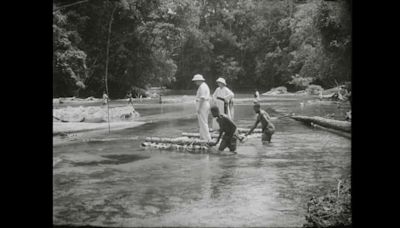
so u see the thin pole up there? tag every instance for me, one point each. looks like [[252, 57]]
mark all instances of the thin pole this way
[[68, 5], [108, 51]]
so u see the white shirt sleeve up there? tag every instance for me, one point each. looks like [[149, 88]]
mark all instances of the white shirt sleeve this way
[[203, 91], [228, 93]]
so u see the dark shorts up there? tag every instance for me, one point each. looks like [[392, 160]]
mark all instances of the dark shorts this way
[[229, 142], [267, 134]]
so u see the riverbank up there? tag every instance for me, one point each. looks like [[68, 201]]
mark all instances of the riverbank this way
[[331, 209]]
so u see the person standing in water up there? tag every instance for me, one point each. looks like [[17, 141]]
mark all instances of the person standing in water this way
[[202, 106], [223, 99], [226, 128], [130, 99], [268, 128], [105, 98], [256, 95]]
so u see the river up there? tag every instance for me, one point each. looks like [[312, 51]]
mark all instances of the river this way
[[118, 183]]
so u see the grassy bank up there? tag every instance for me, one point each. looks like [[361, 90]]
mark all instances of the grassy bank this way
[[332, 209]]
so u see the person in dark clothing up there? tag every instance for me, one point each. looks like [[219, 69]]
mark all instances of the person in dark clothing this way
[[130, 99], [268, 128], [226, 128]]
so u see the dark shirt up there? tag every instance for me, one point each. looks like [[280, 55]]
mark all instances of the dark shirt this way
[[226, 125]]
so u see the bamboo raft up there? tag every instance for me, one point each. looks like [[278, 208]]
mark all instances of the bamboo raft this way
[[184, 148], [197, 135], [190, 142], [179, 144]]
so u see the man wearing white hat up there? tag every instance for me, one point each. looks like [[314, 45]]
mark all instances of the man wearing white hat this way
[[202, 106], [223, 99]]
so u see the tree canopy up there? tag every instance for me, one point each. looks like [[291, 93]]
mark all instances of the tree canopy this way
[[251, 43]]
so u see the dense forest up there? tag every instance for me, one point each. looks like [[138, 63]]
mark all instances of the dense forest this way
[[251, 43]]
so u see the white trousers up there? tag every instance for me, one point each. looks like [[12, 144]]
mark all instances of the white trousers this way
[[202, 116]]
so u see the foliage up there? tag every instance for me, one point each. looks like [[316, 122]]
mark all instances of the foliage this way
[[314, 89], [69, 62], [250, 43], [301, 82]]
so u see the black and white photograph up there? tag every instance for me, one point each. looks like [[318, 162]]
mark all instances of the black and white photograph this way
[[202, 113]]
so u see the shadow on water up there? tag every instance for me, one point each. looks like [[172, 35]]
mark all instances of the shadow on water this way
[[118, 183], [114, 160]]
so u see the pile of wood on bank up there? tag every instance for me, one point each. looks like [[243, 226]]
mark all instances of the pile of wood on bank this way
[[332, 209]]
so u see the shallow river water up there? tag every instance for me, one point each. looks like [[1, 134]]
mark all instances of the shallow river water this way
[[118, 183]]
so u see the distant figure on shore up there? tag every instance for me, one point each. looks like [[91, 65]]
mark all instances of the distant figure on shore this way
[[160, 99], [130, 99], [202, 106], [257, 95], [105, 98], [268, 128], [223, 99], [226, 128]]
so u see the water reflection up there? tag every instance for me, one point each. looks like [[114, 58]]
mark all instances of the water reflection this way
[[223, 180]]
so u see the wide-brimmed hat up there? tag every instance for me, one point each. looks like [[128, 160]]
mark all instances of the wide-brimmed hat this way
[[221, 80], [198, 77]]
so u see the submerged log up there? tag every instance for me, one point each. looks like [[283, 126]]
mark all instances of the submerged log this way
[[197, 135], [242, 130], [337, 132], [327, 123]]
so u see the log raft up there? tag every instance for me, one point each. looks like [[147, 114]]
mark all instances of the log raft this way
[[214, 136], [178, 144], [178, 141], [337, 132], [197, 135], [344, 126]]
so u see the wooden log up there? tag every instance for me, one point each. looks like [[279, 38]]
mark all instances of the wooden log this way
[[176, 141], [341, 133], [197, 135], [327, 123], [171, 146], [242, 130]]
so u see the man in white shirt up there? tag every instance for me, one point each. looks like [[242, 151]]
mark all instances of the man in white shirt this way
[[105, 98], [202, 106]]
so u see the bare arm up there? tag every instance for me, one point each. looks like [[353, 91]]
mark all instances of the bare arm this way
[[219, 137], [216, 142], [254, 127]]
